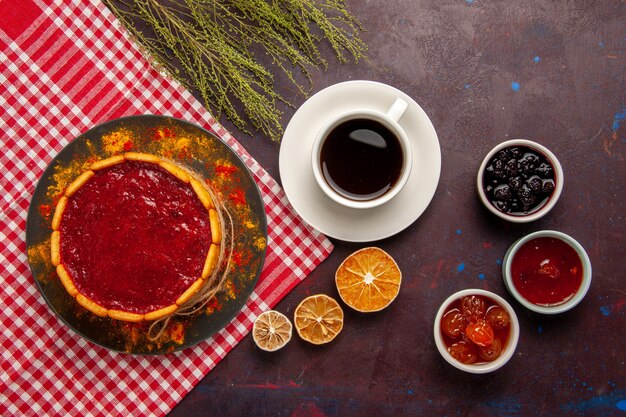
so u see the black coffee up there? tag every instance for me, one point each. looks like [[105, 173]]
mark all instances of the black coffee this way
[[361, 159]]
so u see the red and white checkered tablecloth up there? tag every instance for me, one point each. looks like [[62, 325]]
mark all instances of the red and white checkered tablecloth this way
[[65, 67]]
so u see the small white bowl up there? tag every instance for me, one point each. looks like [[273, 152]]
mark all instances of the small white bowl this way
[[558, 181], [555, 309], [485, 367]]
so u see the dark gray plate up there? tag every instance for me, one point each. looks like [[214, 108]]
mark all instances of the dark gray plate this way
[[189, 145]]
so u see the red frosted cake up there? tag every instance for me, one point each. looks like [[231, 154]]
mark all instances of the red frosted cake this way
[[135, 237]]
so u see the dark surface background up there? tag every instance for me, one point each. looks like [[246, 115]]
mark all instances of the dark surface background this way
[[484, 71]]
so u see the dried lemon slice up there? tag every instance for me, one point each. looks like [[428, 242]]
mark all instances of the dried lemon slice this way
[[368, 280], [318, 319], [271, 330]]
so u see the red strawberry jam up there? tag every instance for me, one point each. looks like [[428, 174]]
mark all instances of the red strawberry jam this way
[[134, 237], [546, 271]]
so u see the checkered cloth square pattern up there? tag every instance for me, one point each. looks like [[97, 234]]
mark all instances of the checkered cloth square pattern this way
[[65, 67]]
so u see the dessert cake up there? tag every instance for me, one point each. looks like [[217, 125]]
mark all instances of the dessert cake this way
[[135, 237]]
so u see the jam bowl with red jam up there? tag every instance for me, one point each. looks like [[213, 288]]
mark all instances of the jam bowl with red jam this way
[[476, 331], [520, 180], [547, 271]]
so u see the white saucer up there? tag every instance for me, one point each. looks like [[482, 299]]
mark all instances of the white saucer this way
[[322, 213]]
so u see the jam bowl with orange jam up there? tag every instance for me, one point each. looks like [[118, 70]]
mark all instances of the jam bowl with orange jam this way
[[547, 271], [476, 331]]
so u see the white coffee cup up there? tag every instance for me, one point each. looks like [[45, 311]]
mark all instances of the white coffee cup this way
[[389, 120]]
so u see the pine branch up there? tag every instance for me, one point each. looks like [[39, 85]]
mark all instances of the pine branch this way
[[213, 42]]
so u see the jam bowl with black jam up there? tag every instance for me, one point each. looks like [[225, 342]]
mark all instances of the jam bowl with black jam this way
[[520, 180]]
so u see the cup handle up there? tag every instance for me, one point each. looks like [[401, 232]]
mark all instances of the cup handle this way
[[397, 109]]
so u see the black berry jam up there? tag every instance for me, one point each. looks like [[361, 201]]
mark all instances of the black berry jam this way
[[518, 180]]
